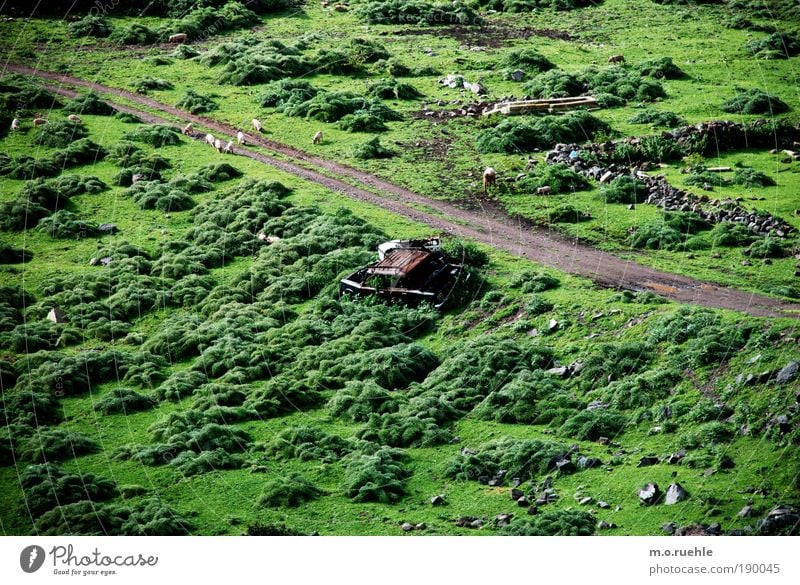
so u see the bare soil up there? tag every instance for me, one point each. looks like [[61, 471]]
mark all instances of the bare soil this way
[[488, 224]]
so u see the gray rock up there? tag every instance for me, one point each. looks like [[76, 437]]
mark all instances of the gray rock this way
[[421, 526], [107, 228], [603, 505], [561, 372], [669, 528], [516, 494], [523, 502], [787, 373], [517, 75], [649, 494], [407, 527], [647, 461], [603, 525], [747, 512], [675, 494], [503, 520], [438, 500]]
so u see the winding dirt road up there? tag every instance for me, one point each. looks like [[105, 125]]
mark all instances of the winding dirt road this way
[[492, 227]]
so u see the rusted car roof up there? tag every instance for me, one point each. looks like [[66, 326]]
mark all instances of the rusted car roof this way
[[400, 263]]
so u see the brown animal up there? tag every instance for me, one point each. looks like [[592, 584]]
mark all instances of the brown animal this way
[[187, 129], [39, 122], [317, 137], [178, 38], [616, 59], [74, 118], [489, 179], [256, 125]]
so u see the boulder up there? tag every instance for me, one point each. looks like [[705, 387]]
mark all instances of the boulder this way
[[517, 75], [779, 520], [516, 494], [747, 512], [503, 520], [787, 373], [438, 500], [669, 527], [647, 460], [407, 526], [675, 494], [650, 494]]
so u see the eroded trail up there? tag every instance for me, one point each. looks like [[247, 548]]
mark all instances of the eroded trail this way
[[489, 226]]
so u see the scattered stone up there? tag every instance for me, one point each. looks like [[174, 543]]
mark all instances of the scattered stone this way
[[565, 466], [675, 494], [676, 457], [596, 405], [523, 502], [533, 510], [588, 462], [586, 500], [517, 75], [603, 525], [516, 494], [779, 518], [407, 527], [709, 472], [438, 500], [603, 505], [649, 494], [421, 526], [647, 461], [787, 373], [503, 520], [552, 325], [602, 440], [561, 372], [669, 528], [747, 512]]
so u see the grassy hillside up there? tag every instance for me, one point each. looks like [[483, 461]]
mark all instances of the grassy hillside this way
[[205, 382]]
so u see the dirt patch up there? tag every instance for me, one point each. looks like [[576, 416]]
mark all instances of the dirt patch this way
[[493, 228], [492, 35]]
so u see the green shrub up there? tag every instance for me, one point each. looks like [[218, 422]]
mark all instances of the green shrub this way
[[554, 523], [56, 445], [564, 213], [160, 196], [393, 89], [529, 60], [700, 178], [555, 83], [134, 34], [662, 68], [529, 281], [778, 45], [658, 118], [376, 477], [147, 83], [641, 390], [191, 463], [196, 103], [559, 177], [766, 247], [362, 121], [124, 400], [358, 400], [65, 224], [218, 172], [711, 433], [307, 443], [185, 52], [60, 133], [180, 384], [11, 255], [625, 189], [523, 458], [155, 135], [614, 361], [511, 136], [89, 26], [752, 178], [524, 400], [46, 486], [89, 103], [372, 149], [590, 425], [286, 92], [728, 233], [754, 101], [411, 12], [288, 491]]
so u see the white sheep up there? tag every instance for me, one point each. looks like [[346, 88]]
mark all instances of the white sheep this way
[[210, 139], [256, 125], [240, 137], [317, 137], [228, 147], [178, 38], [74, 118], [489, 178], [15, 124], [218, 144]]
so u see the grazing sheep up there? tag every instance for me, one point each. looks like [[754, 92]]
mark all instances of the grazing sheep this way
[[228, 147], [39, 122], [616, 59], [187, 129], [74, 118], [317, 137], [240, 137], [15, 124], [489, 178], [218, 144], [543, 190], [210, 139], [268, 239], [256, 125], [178, 38]]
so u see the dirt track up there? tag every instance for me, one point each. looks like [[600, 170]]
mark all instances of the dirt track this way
[[491, 227]]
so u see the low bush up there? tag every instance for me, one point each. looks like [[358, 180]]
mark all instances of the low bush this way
[[89, 26], [65, 224], [286, 92], [147, 83], [729, 233], [11, 255], [529, 281], [614, 361], [218, 172], [376, 477], [46, 487], [642, 390], [625, 189], [528, 60], [155, 135], [661, 68], [123, 400], [778, 45], [754, 101], [411, 12], [559, 177], [528, 399], [357, 401], [196, 103], [179, 385], [372, 149], [766, 247], [554, 523], [89, 103], [555, 83], [526, 459], [134, 34], [288, 491], [511, 136], [710, 433], [60, 134], [590, 425], [191, 463], [160, 196], [751, 178], [55, 444], [393, 89], [658, 119]]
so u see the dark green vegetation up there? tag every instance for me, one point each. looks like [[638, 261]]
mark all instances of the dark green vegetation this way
[[228, 387]]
